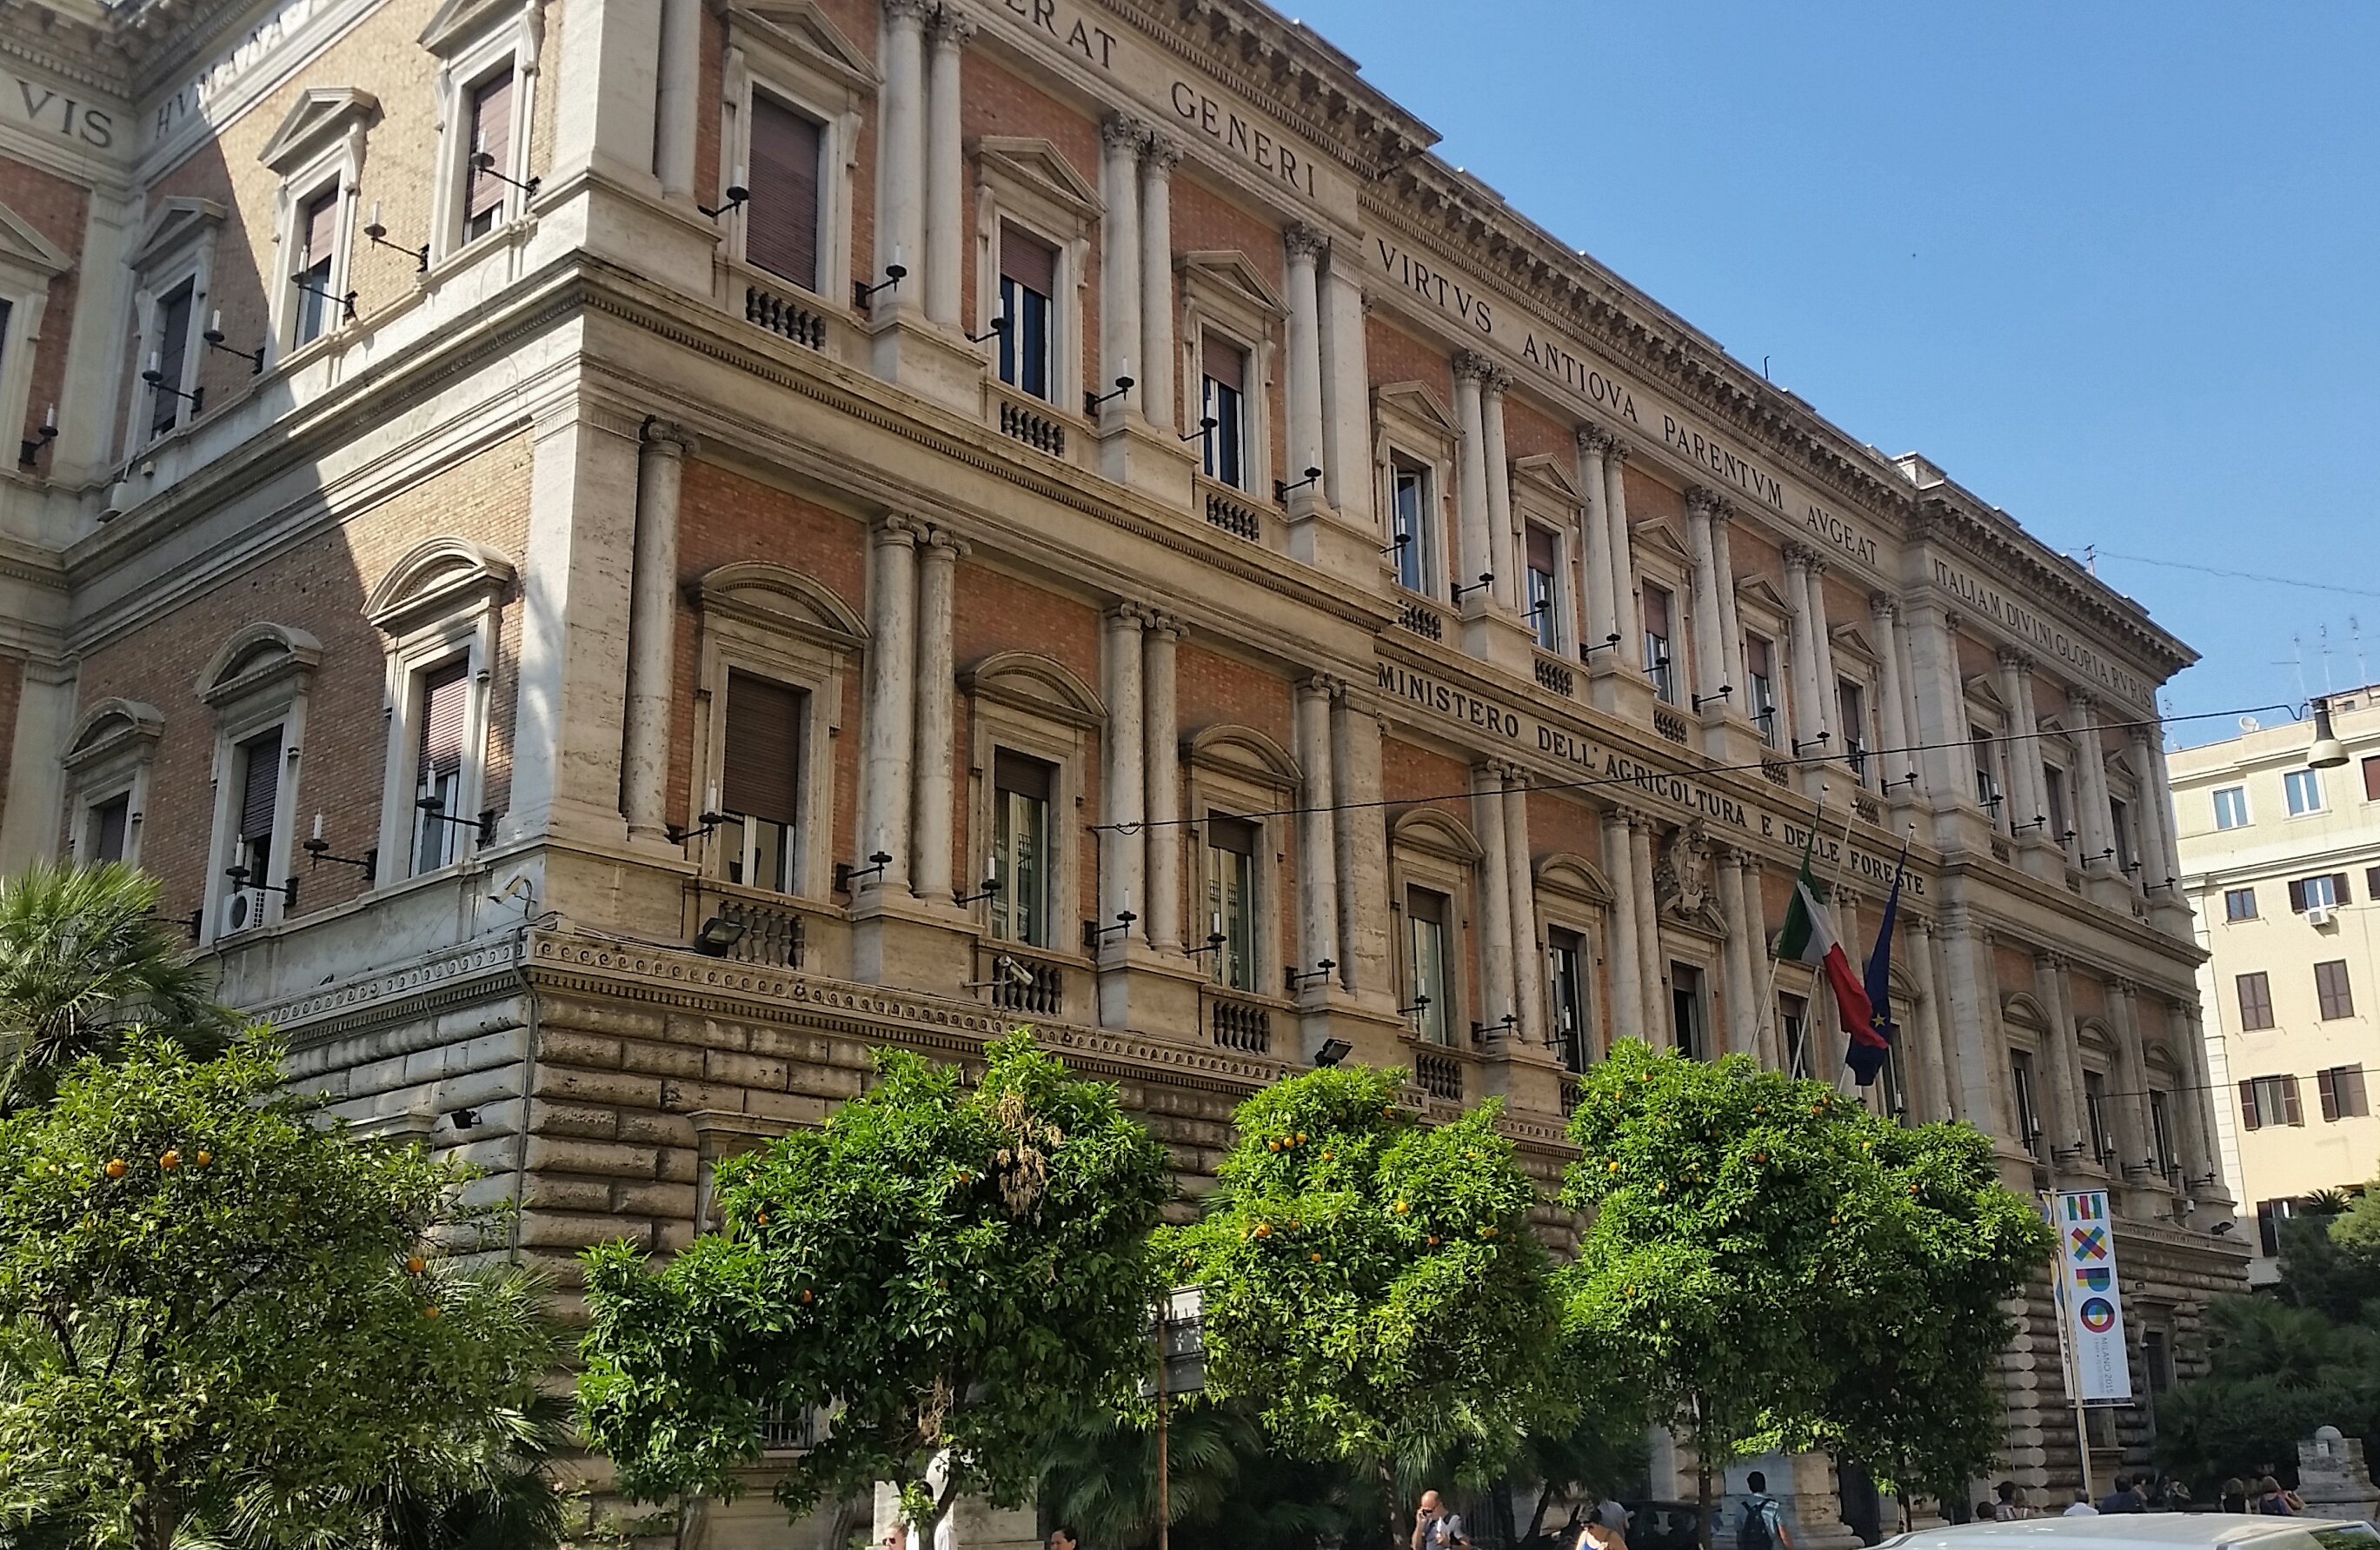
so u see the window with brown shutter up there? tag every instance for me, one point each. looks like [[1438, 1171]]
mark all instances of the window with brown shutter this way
[[781, 222], [318, 232], [2328, 1094], [170, 347], [491, 135], [438, 764], [2332, 990], [1028, 280], [2338, 889], [2248, 1117], [2347, 1082], [2372, 778], [110, 822], [259, 783], [2289, 1100], [1224, 362], [2296, 895], [2255, 1002], [761, 778]]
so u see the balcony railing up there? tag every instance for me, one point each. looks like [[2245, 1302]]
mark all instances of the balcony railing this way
[[1242, 1025], [1556, 679], [779, 315], [1574, 1092], [1426, 622], [1018, 978], [1233, 516], [770, 930], [1776, 772], [1669, 724], [1439, 1076]]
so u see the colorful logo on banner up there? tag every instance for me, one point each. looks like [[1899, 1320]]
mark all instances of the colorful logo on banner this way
[[2090, 1298]]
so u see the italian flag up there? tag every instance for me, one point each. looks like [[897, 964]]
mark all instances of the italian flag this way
[[1809, 938]]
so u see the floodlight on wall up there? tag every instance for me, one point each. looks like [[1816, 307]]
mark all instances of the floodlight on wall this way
[[1333, 1050], [717, 934]]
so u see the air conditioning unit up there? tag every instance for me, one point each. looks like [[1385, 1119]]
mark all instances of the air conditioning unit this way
[[2318, 914], [243, 910]]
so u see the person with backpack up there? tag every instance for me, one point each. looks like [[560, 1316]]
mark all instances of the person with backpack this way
[[1764, 1520]]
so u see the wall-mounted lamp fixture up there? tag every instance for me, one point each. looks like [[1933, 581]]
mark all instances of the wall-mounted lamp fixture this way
[[894, 273], [377, 234], [2328, 752], [717, 934], [846, 873], [1206, 424], [736, 194], [1281, 491], [155, 378], [1396, 543], [240, 874], [1725, 691], [484, 163], [1818, 741], [1482, 1031], [1606, 644], [997, 327], [1333, 1050], [1487, 579], [1297, 978], [434, 806], [317, 850], [1091, 401], [346, 304], [214, 334], [31, 447]]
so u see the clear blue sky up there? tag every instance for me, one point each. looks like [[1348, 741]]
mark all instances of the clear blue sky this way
[[2111, 266]]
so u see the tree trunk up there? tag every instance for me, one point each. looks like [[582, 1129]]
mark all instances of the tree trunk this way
[[1389, 1501], [1702, 1478]]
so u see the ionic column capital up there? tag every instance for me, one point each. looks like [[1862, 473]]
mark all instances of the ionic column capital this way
[[1301, 241], [895, 529], [1160, 623], [1702, 501], [941, 544], [1615, 452], [1125, 612], [665, 438], [1470, 366]]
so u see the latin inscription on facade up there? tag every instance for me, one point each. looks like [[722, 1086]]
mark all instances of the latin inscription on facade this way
[[1985, 598], [51, 109], [263, 42]]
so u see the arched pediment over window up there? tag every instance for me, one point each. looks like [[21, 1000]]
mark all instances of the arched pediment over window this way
[[112, 726], [1041, 685], [257, 655], [1567, 872], [776, 598], [438, 576], [1244, 752], [1438, 832]]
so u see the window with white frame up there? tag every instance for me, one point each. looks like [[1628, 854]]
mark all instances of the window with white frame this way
[[1544, 577], [1566, 994], [1410, 505], [2231, 808], [170, 363], [317, 305], [1760, 699], [319, 152], [775, 646], [1429, 983], [1988, 774], [29, 262], [175, 261], [1851, 704], [487, 85], [1233, 320], [257, 686], [488, 177], [1029, 719], [109, 752], [1021, 858], [1414, 438], [1236, 896], [1689, 1020], [1658, 602], [437, 610], [2052, 781], [1224, 409], [793, 88], [1232, 847], [2303, 789], [1036, 218]]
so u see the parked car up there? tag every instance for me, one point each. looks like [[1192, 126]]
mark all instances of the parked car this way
[[2146, 1531], [1662, 1525]]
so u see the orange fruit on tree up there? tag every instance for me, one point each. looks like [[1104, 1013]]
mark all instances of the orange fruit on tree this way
[[169, 1159], [1318, 1259], [203, 1158], [806, 1294], [1264, 1229], [415, 1266], [430, 1311], [115, 1167]]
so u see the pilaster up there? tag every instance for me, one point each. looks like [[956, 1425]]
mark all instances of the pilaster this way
[[652, 634]]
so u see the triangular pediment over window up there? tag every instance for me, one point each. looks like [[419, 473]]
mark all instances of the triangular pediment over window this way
[[322, 115], [800, 28], [1756, 590], [24, 248], [1037, 164], [1660, 534], [1854, 639], [176, 223], [1231, 272], [1551, 477], [1416, 401]]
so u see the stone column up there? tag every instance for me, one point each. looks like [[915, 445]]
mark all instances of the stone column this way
[[1347, 396], [946, 200], [2026, 779], [1317, 859], [1521, 878], [929, 821], [1807, 719], [1163, 761], [1120, 139], [1731, 632], [1122, 785], [1159, 370], [1924, 1049], [1474, 557], [2136, 1132], [1768, 1048], [1595, 566], [2162, 784], [1497, 945], [1626, 959], [681, 85], [2025, 750], [1305, 248], [1884, 615], [652, 632], [33, 818], [2156, 818], [1971, 1048], [889, 752], [1628, 617], [1505, 556], [1365, 962], [1649, 926], [2091, 781], [1940, 702], [1736, 961], [1709, 664], [2201, 1144], [1822, 660], [2060, 1061], [900, 153]]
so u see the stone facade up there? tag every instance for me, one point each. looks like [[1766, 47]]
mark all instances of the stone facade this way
[[606, 514]]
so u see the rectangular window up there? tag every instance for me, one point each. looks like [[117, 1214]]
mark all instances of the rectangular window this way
[[108, 825], [781, 219], [2231, 808], [2120, 822], [2270, 1214], [1020, 838], [260, 788], [2028, 1113], [1028, 278], [446, 694], [1409, 503], [2341, 1088], [2304, 787], [1987, 785], [1543, 592], [1760, 702], [760, 788], [1231, 900], [166, 360], [2269, 1100], [2239, 903], [2255, 1002], [2372, 778], [1426, 926], [491, 143], [2326, 891], [1793, 1022], [2094, 1111], [1656, 642], [2054, 790], [1566, 994], [2156, 1355], [2371, 882], [1222, 397], [1686, 1011], [1851, 699], [318, 231], [2331, 989], [2161, 1128]]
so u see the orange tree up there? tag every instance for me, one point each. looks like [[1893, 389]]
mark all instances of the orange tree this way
[[1373, 1288], [222, 1321], [952, 1274]]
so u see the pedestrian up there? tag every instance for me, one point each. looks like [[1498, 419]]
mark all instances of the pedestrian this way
[[1599, 1535], [2080, 1507], [1437, 1528], [1764, 1520], [2177, 1495], [1984, 1512], [2013, 1505], [2232, 1496], [1064, 1537], [1610, 1514], [2123, 1498], [2272, 1498]]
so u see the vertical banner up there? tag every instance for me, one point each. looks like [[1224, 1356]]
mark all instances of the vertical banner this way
[[2092, 1301]]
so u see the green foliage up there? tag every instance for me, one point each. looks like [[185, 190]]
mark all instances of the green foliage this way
[[82, 958], [957, 1271], [1373, 1290], [210, 1322], [2276, 1373], [1229, 1487], [1769, 1264]]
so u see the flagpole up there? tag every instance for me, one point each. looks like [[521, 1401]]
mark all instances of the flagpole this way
[[1768, 993]]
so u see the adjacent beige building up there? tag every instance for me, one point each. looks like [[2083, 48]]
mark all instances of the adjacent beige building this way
[[2281, 862]]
